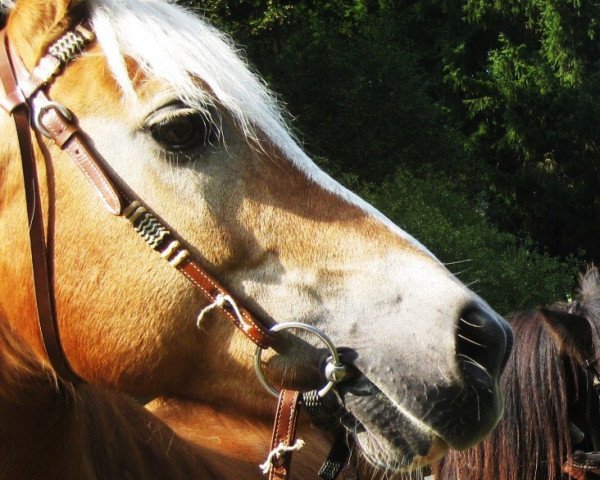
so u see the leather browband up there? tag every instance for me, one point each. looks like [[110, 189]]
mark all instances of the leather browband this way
[[22, 103]]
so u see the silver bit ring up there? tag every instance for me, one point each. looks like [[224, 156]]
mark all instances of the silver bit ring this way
[[333, 369]]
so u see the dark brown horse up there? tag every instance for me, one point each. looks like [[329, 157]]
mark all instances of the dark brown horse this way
[[551, 406]]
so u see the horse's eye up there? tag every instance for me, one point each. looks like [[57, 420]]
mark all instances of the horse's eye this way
[[181, 130]]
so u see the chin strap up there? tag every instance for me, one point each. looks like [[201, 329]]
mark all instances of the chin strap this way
[[328, 413]]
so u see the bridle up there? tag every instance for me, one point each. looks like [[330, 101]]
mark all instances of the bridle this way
[[31, 108]]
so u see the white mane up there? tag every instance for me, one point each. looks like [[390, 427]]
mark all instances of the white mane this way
[[171, 44]]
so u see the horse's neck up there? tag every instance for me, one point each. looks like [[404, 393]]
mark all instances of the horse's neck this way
[[234, 443], [51, 432]]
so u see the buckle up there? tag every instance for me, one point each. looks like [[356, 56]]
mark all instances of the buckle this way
[[37, 112]]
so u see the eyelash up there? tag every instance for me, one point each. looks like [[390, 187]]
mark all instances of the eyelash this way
[[181, 129]]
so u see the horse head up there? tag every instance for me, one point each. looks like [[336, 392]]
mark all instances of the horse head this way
[[183, 125], [575, 328]]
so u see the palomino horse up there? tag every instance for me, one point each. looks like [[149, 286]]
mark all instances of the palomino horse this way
[[552, 407], [176, 120]]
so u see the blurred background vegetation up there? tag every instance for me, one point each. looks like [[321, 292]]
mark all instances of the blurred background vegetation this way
[[473, 124]]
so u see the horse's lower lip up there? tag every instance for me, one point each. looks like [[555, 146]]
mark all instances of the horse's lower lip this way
[[439, 448], [389, 437], [460, 417]]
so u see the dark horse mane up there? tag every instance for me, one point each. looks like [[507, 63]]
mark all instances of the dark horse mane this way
[[542, 381]]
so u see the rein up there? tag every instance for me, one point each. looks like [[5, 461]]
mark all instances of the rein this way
[[31, 108]]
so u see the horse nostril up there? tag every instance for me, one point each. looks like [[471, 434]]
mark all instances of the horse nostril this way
[[483, 342]]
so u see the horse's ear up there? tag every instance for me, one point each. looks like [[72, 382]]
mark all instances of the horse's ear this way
[[590, 293], [572, 333], [33, 24]]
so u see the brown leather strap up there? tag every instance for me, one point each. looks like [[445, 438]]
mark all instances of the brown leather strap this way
[[67, 136], [44, 296], [284, 433], [28, 85], [14, 98]]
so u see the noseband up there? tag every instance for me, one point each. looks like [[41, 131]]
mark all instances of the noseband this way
[[31, 108]]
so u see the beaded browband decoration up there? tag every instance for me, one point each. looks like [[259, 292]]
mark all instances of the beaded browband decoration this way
[[154, 233]]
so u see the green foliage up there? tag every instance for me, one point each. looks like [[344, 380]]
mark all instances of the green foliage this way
[[373, 109], [527, 73], [373, 96]]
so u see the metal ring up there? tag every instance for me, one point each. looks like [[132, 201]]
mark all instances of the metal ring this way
[[334, 358], [37, 116]]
